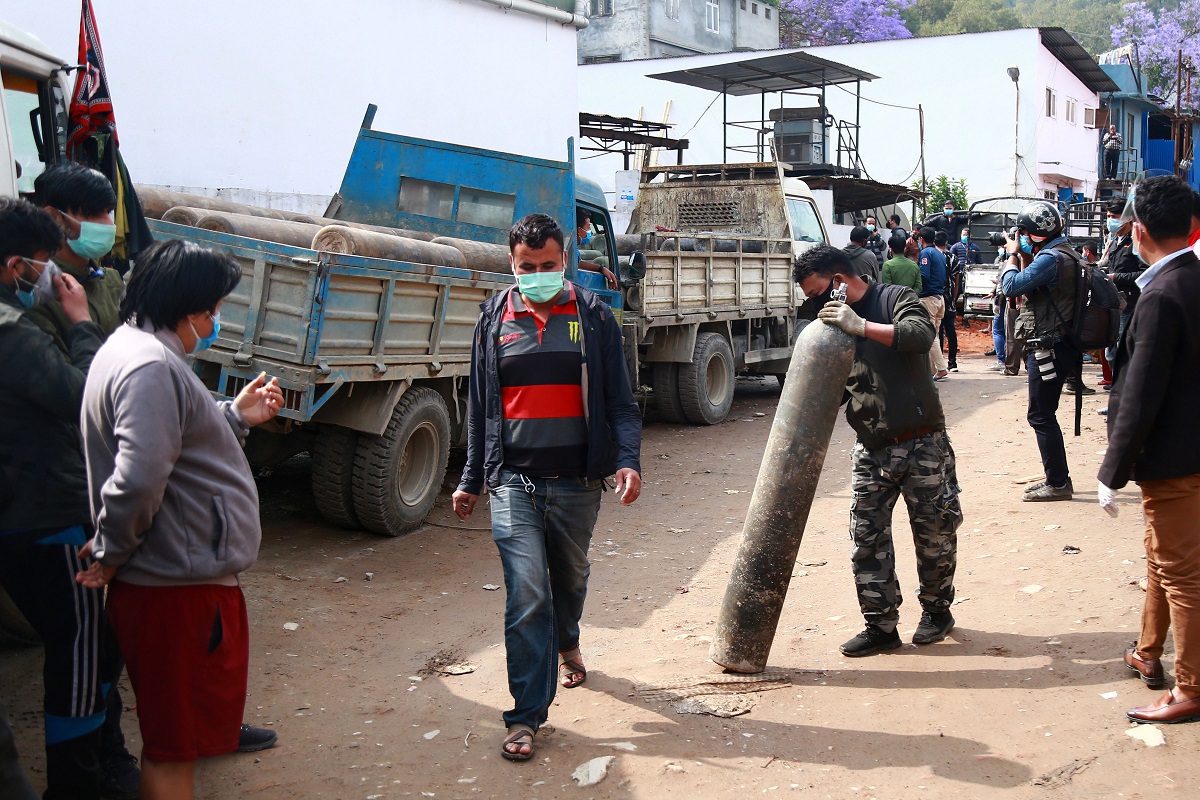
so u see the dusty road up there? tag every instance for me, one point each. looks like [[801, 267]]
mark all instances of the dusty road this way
[[1017, 703]]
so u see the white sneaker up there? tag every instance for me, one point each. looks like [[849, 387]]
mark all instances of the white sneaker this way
[[997, 367]]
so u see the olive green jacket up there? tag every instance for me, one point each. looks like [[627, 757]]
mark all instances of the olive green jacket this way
[[104, 288]]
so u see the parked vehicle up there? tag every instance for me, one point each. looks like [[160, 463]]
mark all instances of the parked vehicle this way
[[373, 354], [34, 104], [717, 299]]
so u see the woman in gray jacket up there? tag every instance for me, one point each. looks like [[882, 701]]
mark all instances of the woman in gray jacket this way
[[175, 510]]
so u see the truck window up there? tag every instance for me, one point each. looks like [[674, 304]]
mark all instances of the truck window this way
[[596, 251], [426, 198], [806, 225], [20, 99], [489, 209]]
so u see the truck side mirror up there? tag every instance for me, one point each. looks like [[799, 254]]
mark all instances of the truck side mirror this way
[[635, 268]]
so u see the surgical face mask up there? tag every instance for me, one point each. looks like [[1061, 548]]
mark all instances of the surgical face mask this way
[[947, 211], [964, 238], [586, 240], [205, 342], [95, 238], [540, 287], [1114, 225], [1026, 245], [41, 289], [870, 227]]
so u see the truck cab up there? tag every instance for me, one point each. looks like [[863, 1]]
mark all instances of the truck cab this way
[[34, 106]]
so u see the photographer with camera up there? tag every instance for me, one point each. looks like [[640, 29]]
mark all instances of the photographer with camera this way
[[1048, 288]]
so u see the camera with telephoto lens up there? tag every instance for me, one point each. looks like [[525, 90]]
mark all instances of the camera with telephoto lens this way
[[997, 239], [1043, 356]]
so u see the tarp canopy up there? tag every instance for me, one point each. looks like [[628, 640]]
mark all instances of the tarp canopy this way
[[779, 73]]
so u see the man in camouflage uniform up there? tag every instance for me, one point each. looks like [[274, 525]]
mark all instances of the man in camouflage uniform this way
[[902, 448]]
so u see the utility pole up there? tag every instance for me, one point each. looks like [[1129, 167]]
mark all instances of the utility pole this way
[[1015, 74]]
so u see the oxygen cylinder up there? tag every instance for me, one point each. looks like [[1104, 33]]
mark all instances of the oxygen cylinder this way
[[783, 495]]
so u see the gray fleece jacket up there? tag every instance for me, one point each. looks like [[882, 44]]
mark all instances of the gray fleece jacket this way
[[172, 496]]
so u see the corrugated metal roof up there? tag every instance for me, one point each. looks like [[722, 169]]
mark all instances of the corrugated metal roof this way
[[1075, 58], [777, 73]]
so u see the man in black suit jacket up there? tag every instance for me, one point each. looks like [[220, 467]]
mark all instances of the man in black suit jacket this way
[[1154, 438]]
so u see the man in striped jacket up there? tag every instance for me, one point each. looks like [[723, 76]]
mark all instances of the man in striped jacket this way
[[550, 416]]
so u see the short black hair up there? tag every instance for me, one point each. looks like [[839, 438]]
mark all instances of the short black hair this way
[[859, 233], [1163, 206], [73, 187], [823, 260], [533, 231], [897, 243], [895, 218], [927, 234], [26, 230], [582, 218], [1091, 244], [173, 279], [941, 239], [1115, 205]]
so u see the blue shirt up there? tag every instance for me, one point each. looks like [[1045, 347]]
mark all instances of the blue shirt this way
[[1144, 279], [1043, 272], [933, 272]]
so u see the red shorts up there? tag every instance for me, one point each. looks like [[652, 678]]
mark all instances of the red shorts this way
[[187, 651]]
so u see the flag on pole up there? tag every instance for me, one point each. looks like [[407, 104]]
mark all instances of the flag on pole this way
[[92, 141], [91, 103]]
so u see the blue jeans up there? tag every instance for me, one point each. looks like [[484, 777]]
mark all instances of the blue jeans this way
[[998, 342], [542, 527]]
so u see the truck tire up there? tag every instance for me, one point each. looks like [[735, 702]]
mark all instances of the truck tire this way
[[706, 384], [398, 475], [665, 382], [333, 474]]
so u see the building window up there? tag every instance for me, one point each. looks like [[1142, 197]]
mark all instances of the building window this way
[[754, 8], [767, 11], [601, 8], [1089, 117], [1051, 102], [607, 59], [1070, 110], [712, 17], [673, 9], [743, 5]]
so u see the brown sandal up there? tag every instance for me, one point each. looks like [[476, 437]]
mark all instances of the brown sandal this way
[[571, 672], [519, 735]]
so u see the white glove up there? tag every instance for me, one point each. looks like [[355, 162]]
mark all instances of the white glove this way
[[1107, 498], [842, 316]]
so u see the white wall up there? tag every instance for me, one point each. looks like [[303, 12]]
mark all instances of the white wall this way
[[968, 114], [268, 95], [1066, 152]]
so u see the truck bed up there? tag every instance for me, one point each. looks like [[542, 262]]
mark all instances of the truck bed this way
[[318, 320]]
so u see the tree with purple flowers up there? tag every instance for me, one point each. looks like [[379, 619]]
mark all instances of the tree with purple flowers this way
[[1158, 38], [820, 22]]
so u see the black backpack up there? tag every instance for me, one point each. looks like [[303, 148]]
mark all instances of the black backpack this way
[[1097, 317]]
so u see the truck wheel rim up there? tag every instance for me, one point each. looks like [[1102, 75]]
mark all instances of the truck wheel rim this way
[[417, 467], [716, 378]]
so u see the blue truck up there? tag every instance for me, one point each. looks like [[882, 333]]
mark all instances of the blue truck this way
[[373, 355]]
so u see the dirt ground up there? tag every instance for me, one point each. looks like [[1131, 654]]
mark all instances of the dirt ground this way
[[1025, 699]]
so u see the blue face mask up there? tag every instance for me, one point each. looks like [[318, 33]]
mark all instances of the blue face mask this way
[[947, 211], [964, 239], [586, 240], [1114, 225], [95, 239], [871, 228], [1026, 245], [205, 342], [540, 287]]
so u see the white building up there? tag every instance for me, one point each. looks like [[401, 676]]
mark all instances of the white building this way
[[960, 82], [265, 98]]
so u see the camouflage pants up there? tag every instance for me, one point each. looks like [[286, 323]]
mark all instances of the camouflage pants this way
[[922, 469]]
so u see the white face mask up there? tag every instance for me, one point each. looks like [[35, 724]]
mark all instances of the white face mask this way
[[44, 288]]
